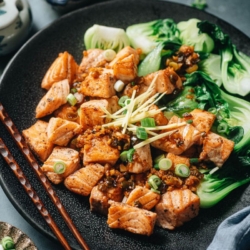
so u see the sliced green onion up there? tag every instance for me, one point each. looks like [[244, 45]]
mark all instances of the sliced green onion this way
[[165, 164], [59, 167], [141, 133], [168, 114], [148, 122], [122, 100], [158, 158], [124, 156], [109, 54], [222, 127], [71, 99], [130, 154], [154, 181], [73, 90], [155, 190], [156, 166], [119, 85], [189, 121], [212, 110], [8, 243], [182, 170], [221, 115], [127, 101], [193, 160]]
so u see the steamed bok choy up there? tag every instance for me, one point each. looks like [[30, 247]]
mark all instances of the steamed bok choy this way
[[104, 37], [234, 70], [147, 36]]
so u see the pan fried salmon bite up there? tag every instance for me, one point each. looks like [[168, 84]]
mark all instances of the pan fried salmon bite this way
[[103, 132]]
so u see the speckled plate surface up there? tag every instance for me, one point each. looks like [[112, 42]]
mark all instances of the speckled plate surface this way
[[21, 240], [20, 92]]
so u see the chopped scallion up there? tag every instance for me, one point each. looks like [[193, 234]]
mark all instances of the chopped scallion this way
[[130, 154], [59, 167], [141, 133], [122, 100], [71, 99], [154, 181], [158, 158], [182, 170], [212, 110], [165, 164], [148, 122], [8, 243], [189, 121], [124, 156], [73, 90], [156, 166], [222, 127], [119, 85], [193, 160], [155, 190], [109, 54]]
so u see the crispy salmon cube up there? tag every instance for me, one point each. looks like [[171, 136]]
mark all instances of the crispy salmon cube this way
[[36, 138], [126, 69], [98, 83], [160, 119], [91, 112], [167, 81], [132, 219], [180, 140], [143, 198], [100, 151], [202, 120], [53, 99], [177, 207], [64, 67], [68, 156], [92, 58], [99, 200], [142, 160], [83, 180], [61, 131], [216, 149]]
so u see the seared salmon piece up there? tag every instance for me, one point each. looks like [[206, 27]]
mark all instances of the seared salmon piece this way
[[99, 150], [67, 112], [180, 140], [98, 83], [92, 58], [99, 200], [83, 180], [53, 99], [143, 198], [36, 138], [68, 156], [124, 53], [160, 119], [91, 112], [132, 219], [166, 82], [177, 207], [176, 159], [216, 149], [142, 160], [202, 120], [125, 64], [64, 67], [61, 131]]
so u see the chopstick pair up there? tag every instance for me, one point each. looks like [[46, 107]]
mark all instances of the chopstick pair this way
[[21, 143], [32, 193]]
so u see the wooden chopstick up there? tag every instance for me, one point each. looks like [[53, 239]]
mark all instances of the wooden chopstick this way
[[4, 151], [21, 143]]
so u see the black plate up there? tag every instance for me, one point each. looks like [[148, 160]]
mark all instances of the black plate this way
[[20, 92]]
